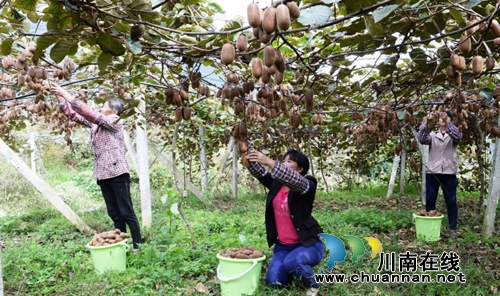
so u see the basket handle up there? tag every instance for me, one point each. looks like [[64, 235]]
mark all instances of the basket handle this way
[[413, 220], [234, 277], [127, 247]]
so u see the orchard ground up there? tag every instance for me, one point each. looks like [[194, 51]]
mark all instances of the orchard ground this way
[[43, 254]]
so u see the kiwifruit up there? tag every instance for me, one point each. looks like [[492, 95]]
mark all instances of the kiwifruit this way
[[496, 41], [186, 113], [461, 63], [477, 65], [293, 9], [457, 80], [465, 44], [272, 70], [178, 115], [256, 32], [251, 85], [490, 63], [242, 147], [253, 15], [283, 17], [482, 27], [242, 43], [450, 72], [495, 27], [278, 77], [269, 20], [473, 29], [136, 32], [232, 78], [176, 99], [257, 67], [266, 77], [269, 55], [184, 95], [309, 95], [462, 98], [265, 37], [454, 59], [227, 53]]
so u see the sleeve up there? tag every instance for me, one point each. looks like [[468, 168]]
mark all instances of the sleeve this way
[[292, 179], [71, 114], [454, 133], [111, 123], [424, 135]]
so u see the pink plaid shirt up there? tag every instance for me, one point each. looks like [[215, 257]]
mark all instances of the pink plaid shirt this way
[[106, 138]]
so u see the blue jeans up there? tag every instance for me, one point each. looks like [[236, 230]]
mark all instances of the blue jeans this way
[[449, 184], [294, 260]]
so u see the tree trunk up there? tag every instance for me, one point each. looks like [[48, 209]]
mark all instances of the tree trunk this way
[[231, 145], [479, 155], [44, 188], [203, 159], [392, 181], [143, 166], [130, 150], [180, 191], [424, 152], [310, 156], [402, 173], [235, 172], [492, 202], [493, 193]]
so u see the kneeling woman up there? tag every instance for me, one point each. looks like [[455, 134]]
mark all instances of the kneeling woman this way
[[289, 224]]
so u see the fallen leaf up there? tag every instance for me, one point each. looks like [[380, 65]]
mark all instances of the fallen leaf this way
[[200, 287]]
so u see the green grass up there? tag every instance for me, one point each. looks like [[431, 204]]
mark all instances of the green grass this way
[[44, 254]]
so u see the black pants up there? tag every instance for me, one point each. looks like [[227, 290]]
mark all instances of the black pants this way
[[116, 192], [449, 185]]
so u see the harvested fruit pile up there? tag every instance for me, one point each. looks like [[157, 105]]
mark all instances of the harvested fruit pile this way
[[432, 213], [108, 238], [242, 253]]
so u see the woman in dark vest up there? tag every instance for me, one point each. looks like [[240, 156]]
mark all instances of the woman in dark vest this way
[[289, 224]]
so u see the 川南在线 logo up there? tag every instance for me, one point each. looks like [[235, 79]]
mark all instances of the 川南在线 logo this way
[[338, 250]]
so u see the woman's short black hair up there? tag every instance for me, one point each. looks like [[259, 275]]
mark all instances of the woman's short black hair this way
[[300, 158], [115, 104]]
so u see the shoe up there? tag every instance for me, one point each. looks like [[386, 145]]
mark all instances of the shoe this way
[[312, 291], [453, 234], [136, 251]]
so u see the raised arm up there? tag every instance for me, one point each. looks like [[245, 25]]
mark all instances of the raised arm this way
[[453, 131], [280, 172], [71, 114], [111, 122], [424, 134]]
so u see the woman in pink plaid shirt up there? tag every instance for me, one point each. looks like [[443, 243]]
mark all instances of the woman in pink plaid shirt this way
[[110, 165]]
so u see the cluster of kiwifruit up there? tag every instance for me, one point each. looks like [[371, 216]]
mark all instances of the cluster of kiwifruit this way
[[317, 118], [108, 238], [242, 253], [415, 166], [272, 66], [195, 79], [264, 23], [239, 131], [457, 62], [432, 213]]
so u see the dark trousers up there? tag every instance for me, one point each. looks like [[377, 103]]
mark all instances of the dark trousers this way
[[449, 185], [116, 192], [297, 260]]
